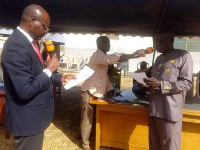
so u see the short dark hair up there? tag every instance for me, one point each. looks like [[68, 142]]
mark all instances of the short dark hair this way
[[167, 30], [101, 39]]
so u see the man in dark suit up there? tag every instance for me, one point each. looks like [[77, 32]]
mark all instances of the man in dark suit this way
[[28, 84]]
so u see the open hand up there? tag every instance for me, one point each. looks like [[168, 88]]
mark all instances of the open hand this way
[[67, 78], [152, 82]]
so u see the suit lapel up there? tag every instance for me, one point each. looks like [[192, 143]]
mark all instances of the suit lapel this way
[[21, 35]]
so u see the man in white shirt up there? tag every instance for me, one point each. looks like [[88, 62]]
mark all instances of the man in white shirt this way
[[97, 85]]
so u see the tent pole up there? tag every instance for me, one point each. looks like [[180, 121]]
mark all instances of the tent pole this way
[[162, 15], [154, 42]]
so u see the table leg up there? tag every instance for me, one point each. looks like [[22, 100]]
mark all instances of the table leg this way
[[98, 131]]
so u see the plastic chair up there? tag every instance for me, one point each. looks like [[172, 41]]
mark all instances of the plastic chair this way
[[67, 62], [76, 62], [87, 59]]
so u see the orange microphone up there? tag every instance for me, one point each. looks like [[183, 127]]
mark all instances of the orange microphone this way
[[50, 48], [148, 50]]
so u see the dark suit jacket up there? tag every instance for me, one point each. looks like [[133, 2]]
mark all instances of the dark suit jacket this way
[[29, 105]]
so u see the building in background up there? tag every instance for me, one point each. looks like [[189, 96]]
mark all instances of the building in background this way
[[193, 46], [78, 48], [84, 45]]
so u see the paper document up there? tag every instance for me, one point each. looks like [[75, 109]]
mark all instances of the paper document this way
[[126, 95], [138, 77], [84, 74]]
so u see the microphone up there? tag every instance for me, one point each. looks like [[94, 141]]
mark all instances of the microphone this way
[[148, 50], [50, 48]]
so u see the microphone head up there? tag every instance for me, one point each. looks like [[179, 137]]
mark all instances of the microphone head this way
[[49, 46], [149, 50]]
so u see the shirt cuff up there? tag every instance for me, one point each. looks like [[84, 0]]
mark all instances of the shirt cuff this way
[[165, 87], [48, 72]]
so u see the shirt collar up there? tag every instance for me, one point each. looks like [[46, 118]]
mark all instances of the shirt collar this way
[[100, 51], [25, 34]]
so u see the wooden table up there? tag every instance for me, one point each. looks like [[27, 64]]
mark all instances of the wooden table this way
[[125, 126]]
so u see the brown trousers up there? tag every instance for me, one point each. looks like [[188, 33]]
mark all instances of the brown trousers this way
[[164, 134], [86, 118]]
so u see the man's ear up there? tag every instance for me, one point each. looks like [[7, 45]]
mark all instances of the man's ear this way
[[31, 23]]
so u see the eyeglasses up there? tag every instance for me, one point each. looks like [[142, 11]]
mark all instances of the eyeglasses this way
[[44, 26]]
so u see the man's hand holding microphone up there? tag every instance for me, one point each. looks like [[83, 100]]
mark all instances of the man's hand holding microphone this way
[[53, 62], [136, 54], [142, 52]]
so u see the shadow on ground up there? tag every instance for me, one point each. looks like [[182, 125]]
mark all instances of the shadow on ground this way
[[64, 130], [67, 115]]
